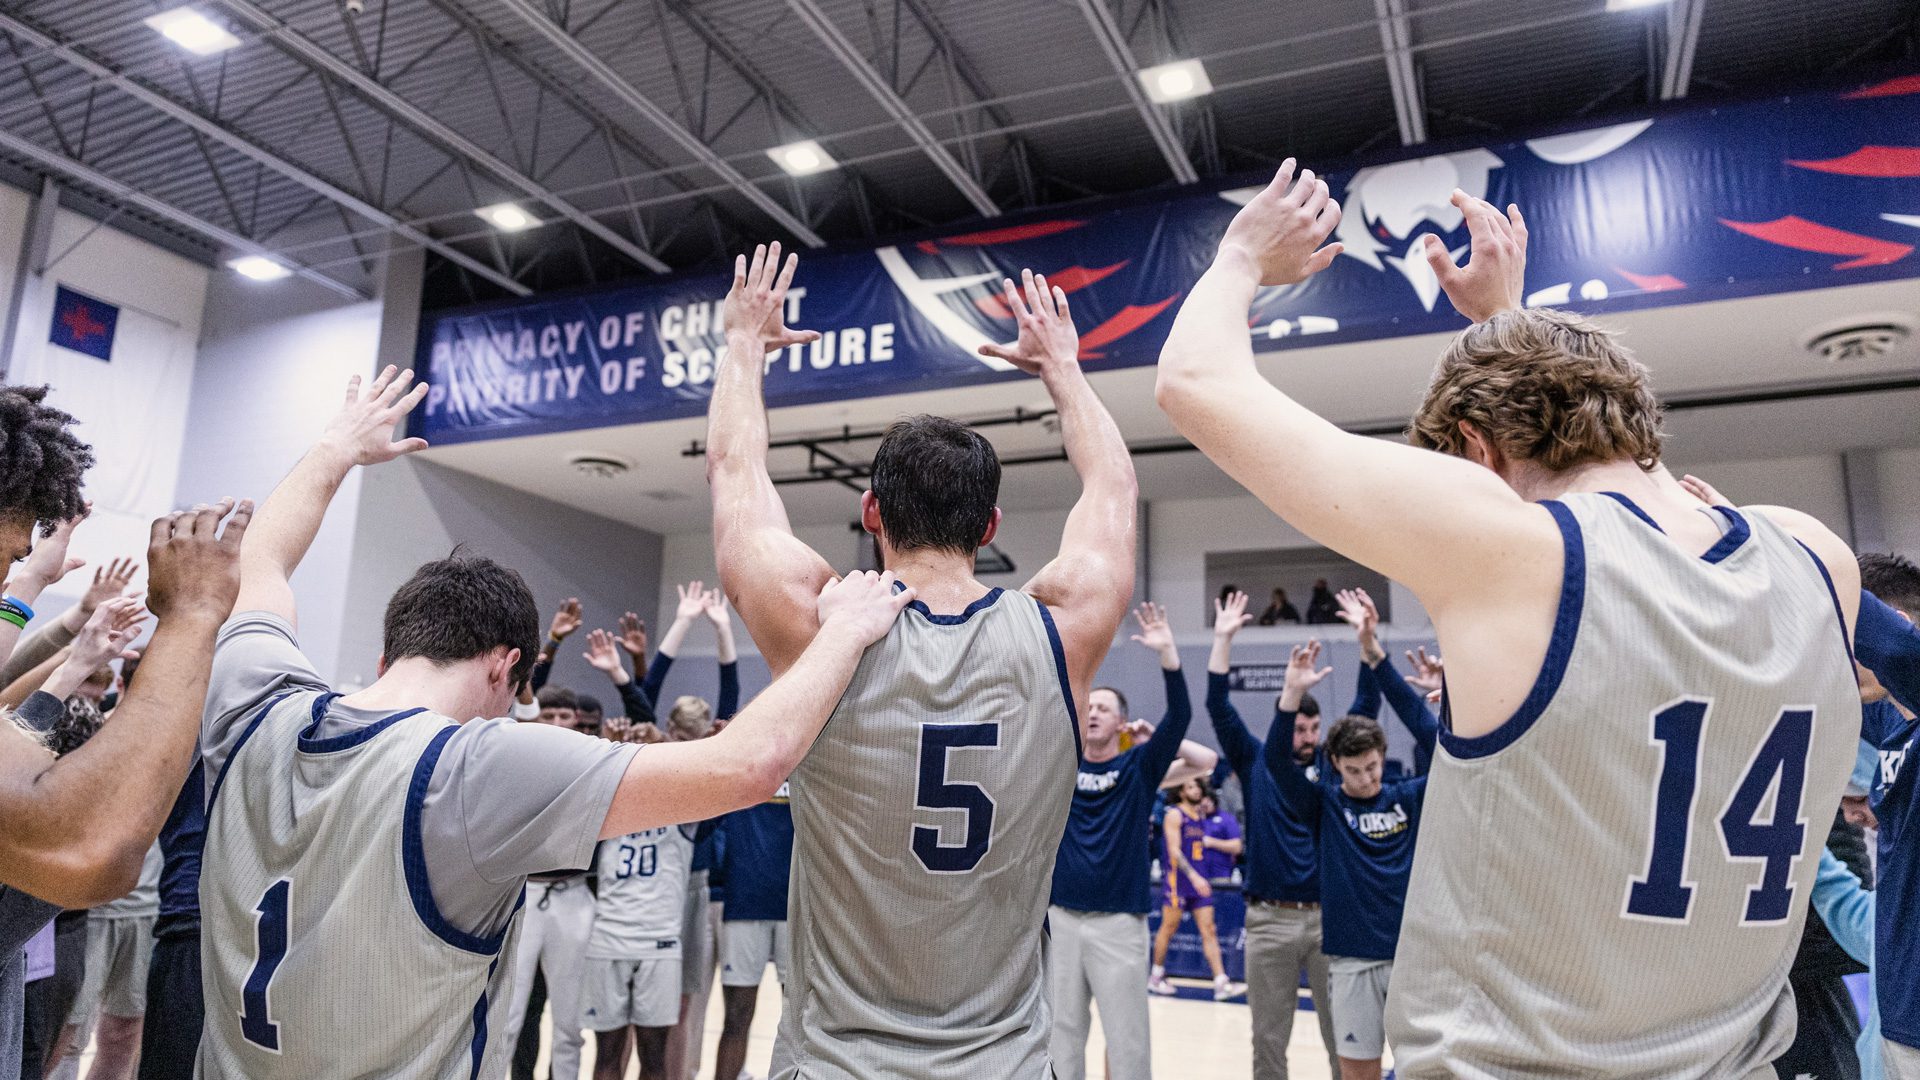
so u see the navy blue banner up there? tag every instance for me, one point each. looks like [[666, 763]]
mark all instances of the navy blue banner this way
[[83, 324], [1771, 196]]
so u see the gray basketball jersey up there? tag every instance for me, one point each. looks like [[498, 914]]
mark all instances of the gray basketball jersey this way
[[1614, 882], [643, 895], [322, 952], [925, 822]]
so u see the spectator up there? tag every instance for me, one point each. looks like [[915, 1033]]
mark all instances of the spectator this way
[[1279, 610], [1321, 606]]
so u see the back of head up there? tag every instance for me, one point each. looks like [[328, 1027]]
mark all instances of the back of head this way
[[1893, 579], [1354, 735], [691, 718], [76, 725], [41, 461], [937, 482], [459, 608], [556, 697], [1545, 387]]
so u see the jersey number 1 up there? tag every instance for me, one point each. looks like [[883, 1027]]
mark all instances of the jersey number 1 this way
[[935, 792], [1778, 766], [270, 947]]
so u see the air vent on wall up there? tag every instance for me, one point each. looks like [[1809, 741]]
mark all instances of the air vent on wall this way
[[1863, 337], [600, 466]]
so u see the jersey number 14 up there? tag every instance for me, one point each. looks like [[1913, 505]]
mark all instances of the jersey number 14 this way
[[1778, 766]]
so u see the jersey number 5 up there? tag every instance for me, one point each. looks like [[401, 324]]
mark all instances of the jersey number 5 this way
[[1778, 766], [935, 792], [270, 947]]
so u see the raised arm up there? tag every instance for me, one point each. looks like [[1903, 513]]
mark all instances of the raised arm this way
[[746, 762], [691, 605], [1442, 525], [1090, 582], [772, 578], [728, 703], [45, 565], [1168, 743], [602, 654], [1888, 645], [56, 841], [565, 622], [1303, 674], [102, 640], [361, 433], [1239, 744]]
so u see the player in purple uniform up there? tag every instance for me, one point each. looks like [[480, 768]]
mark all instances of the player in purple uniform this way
[[1188, 890], [1221, 843]]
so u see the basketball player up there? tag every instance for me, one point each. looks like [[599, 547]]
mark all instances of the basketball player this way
[[927, 817], [1188, 888], [1629, 674], [630, 986], [366, 854]]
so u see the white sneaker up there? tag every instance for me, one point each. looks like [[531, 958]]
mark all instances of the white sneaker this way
[[1226, 990], [1159, 985]]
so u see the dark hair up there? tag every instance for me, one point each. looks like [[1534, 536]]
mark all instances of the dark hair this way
[[461, 607], [1122, 698], [41, 462], [1206, 787], [1309, 705], [937, 482], [585, 704], [71, 730], [1894, 580], [1354, 735], [556, 697]]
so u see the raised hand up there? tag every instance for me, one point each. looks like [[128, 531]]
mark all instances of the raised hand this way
[[1357, 611], [602, 654], [106, 634], [1154, 632], [110, 582], [693, 602], [715, 608], [1137, 730], [1703, 491], [864, 604], [48, 562], [633, 635], [566, 620], [1428, 674], [1047, 338], [1494, 279], [363, 428], [193, 566], [757, 302], [1279, 233], [1231, 615], [1302, 674]]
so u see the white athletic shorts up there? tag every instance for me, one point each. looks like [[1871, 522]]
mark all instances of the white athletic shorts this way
[[643, 993], [1359, 1001], [747, 946]]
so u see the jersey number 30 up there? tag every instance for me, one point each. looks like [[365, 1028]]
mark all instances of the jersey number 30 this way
[[936, 792], [1778, 766]]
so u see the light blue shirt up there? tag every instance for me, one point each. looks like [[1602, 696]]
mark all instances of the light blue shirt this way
[[1848, 911]]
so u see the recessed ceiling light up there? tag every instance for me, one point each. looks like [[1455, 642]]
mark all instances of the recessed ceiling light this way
[[1177, 81], [258, 267], [192, 31], [507, 217], [1628, 5], [803, 158]]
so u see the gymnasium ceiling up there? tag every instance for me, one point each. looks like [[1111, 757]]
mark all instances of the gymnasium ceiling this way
[[637, 130]]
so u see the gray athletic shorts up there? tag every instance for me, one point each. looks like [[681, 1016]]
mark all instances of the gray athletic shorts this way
[[118, 953], [1899, 1061], [696, 937], [1359, 1002], [616, 993], [747, 946]]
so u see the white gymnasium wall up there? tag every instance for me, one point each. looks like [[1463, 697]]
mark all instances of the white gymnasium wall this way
[[1899, 479], [134, 408]]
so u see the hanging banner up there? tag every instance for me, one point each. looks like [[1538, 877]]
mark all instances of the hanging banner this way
[[82, 323], [1780, 195]]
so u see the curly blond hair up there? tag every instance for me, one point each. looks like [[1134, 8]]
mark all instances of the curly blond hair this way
[[1546, 387]]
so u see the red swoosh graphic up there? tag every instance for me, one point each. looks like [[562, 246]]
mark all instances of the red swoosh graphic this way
[[1905, 84], [1131, 318], [1652, 282], [1003, 236], [1803, 235], [1072, 280], [1870, 161]]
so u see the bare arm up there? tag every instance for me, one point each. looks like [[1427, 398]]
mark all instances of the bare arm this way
[[23, 687], [361, 433], [47, 564], [55, 841], [1442, 525], [771, 577], [1193, 761], [1090, 582], [746, 762]]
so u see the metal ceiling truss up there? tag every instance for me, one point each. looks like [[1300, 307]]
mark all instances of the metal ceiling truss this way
[[1113, 42], [1683, 37], [1409, 98]]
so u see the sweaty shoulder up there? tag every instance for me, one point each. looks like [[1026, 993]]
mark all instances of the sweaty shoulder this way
[[1834, 554]]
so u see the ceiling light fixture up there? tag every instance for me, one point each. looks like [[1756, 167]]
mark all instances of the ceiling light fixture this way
[[258, 268], [507, 217], [1177, 81], [1629, 5], [192, 31], [803, 158]]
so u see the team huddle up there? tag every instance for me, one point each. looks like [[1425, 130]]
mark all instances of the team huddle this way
[[1646, 689]]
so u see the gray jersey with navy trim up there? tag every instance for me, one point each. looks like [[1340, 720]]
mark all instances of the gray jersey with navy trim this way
[[642, 900], [1614, 882], [926, 819], [323, 951]]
